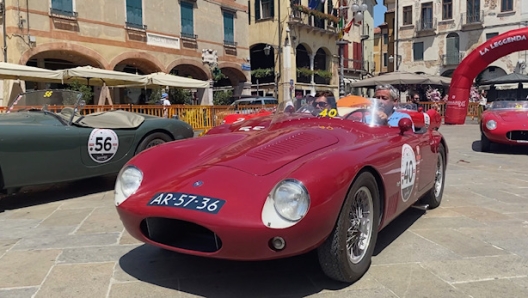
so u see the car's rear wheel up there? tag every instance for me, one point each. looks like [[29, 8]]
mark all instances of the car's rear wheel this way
[[152, 140], [346, 254], [485, 143], [434, 197]]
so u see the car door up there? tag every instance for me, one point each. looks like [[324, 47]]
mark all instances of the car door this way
[[37, 154], [105, 151]]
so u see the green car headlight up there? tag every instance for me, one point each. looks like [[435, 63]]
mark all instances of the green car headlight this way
[[291, 199]]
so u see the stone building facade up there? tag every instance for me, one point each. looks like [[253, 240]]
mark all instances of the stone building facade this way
[[137, 36], [432, 37]]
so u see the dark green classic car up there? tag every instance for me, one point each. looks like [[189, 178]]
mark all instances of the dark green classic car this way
[[45, 139]]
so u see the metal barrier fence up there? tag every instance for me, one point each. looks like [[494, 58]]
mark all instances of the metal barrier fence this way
[[205, 117]]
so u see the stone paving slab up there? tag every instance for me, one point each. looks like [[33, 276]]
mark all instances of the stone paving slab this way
[[66, 240]]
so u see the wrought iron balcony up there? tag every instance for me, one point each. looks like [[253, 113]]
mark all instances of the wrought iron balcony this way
[[426, 24], [312, 23], [130, 25], [451, 59], [188, 35], [354, 65], [63, 13], [230, 43]]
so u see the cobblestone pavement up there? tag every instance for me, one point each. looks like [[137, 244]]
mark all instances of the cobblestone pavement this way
[[66, 240]]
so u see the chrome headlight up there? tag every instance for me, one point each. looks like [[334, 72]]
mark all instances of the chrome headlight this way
[[128, 182], [491, 124], [291, 199]]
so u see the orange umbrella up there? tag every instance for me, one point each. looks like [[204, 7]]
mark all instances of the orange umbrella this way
[[352, 101]]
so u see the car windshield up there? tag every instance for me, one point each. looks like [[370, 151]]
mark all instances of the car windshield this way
[[521, 105], [46, 100]]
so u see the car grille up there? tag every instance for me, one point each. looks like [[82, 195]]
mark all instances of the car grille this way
[[180, 234], [518, 135]]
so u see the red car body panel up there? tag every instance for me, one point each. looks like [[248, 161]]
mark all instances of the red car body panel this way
[[236, 118], [242, 168], [512, 126]]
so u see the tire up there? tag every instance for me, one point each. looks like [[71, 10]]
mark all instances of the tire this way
[[485, 143], [434, 197], [335, 259], [152, 140]]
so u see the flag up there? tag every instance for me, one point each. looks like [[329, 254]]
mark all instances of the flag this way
[[348, 26]]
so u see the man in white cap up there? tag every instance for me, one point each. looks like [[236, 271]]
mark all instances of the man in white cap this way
[[165, 102]]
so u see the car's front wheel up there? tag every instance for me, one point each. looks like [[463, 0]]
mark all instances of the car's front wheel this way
[[485, 143], [346, 254], [152, 140]]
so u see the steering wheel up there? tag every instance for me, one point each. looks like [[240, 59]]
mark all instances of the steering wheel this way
[[363, 114]]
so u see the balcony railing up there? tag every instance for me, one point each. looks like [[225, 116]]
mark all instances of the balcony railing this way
[[426, 24], [189, 35], [63, 13], [305, 19], [473, 17], [451, 59], [130, 25], [355, 65], [230, 43]]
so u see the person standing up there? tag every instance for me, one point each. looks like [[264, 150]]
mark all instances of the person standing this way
[[482, 102], [166, 104]]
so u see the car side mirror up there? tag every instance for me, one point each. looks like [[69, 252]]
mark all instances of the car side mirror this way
[[405, 124]]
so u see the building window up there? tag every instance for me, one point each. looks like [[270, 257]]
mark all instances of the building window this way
[[62, 7], [264, 9], [229, 28], [506, 5], [473, 11], [385, 38], [447, 9], [427, 15], [491, 35], [418, 51], [452, 56], [187, 19], [407, 15], [134, 9], [385, 59]]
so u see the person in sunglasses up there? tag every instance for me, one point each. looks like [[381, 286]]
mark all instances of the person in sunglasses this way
[[386, 96], [323, 100]]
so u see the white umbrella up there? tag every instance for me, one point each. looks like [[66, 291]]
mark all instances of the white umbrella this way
[[93, 76], [29, 73], [164, 79]]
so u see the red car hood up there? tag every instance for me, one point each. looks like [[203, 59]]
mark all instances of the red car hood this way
[[513, 116], [255, 153]]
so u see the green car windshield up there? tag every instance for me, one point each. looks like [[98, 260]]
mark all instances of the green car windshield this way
[[46, 100]]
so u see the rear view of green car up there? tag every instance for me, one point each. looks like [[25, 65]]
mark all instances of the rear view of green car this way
[[45, 139]]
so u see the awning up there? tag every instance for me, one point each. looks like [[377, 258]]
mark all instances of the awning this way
[[93, 76], [164, 79], [29, 73]]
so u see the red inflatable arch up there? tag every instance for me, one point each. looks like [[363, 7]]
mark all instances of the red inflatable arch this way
[[462, 79]]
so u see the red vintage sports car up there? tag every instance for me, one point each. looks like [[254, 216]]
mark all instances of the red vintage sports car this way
[[304, 182], [504, 122]]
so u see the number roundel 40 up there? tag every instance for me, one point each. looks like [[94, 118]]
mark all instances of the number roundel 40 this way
[[408, 172], [102, 145]]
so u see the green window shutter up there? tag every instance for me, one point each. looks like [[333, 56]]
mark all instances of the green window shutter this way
[[62, 5], [187, 19], [272, 8], [257, 10], [134, 12], [229, 32], [249, 13], [329, 7]]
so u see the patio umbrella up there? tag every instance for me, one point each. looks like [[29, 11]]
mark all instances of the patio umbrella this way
[[29, 73], [507, 79], [393, 78], [164, 79], [94, 76], [436, 80]]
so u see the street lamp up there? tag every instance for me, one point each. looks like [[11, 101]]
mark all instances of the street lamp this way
[[267, 49], [391, 61], [358, 13]]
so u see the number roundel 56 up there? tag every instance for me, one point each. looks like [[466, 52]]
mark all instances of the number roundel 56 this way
[[102, 145]]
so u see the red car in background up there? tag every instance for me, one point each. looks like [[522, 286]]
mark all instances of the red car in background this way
[[282, 185], [504, 122]]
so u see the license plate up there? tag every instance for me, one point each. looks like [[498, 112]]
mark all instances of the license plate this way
[[187, 201]]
